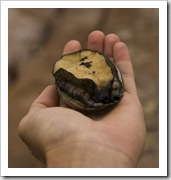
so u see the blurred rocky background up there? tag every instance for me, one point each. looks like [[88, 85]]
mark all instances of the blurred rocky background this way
[[36, 39]]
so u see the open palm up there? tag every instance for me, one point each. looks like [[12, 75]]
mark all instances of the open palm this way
[[62, 137]]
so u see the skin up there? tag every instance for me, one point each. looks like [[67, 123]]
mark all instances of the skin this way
[[62, 137]]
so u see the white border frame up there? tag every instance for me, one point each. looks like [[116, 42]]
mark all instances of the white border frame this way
[[162, 170]]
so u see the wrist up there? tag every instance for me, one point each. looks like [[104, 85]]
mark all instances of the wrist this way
[[86, 156]]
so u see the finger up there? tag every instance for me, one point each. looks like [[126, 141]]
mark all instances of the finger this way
[[48, 98], [123, 61], [109, 41], [71, 46], [96, 41]]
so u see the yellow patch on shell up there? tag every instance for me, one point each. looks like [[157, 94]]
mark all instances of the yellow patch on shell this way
[[86, 64]]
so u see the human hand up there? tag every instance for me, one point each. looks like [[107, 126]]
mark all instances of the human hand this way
[[63, 137]]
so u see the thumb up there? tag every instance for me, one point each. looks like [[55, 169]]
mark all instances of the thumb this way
[[48, 98]]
